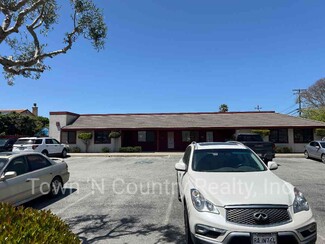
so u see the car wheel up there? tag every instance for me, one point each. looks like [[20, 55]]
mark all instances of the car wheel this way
[[188, 238], [64, 153], [323, 158], [306, 154], [46, 153], [56, 187]]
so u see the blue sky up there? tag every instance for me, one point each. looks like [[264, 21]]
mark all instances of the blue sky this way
[[184, 56]]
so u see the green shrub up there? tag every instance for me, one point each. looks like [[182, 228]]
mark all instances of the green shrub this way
[[85, 137], [75, 150], [263, 133], [131, 149], [114, 134], [320, 132], [105, 150], [283, 149], [27, 225]]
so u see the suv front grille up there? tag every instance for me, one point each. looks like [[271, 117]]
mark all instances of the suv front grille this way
[[258, 215]]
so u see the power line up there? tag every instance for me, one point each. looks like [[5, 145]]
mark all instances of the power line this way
[[298, 92]]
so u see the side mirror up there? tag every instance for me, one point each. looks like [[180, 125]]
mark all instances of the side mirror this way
[[181, 167], [317, 147], [272, 165], [8, 175]]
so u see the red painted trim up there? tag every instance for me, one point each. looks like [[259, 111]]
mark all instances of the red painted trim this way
[[195, 128], [184, 113], [63, 113]]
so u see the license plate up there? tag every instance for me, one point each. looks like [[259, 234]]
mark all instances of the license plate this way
[[21, 148], [264, 238]]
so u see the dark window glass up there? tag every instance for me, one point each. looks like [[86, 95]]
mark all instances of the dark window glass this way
[[189, 136], [37, 162], [29, 141], [279, 135], [146, 136], [72, 137], [48, 141], [150, 136], [19, 165], [226, 160], [3, 162], [101, 137], [303, 135], [187, 155]]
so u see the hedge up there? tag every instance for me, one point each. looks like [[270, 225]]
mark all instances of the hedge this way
[[131, 149], [28, 225]]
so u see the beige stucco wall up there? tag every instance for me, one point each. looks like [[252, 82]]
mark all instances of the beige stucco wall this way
[[59, 121]]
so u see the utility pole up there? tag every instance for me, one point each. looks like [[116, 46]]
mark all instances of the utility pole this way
[[298, 92], [258, 108]]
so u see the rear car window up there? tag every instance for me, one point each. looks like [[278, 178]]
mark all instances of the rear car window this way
[[37, 162], [28, 141]]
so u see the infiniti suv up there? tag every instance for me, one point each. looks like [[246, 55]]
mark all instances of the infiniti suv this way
[[230, 195]]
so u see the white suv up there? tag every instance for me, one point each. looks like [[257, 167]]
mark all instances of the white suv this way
[[46, 145], [230, 196]]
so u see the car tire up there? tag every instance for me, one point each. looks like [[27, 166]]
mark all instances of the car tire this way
[[306, 154], [323, 158], [188, 235], [64, 153], [56, 187], [46, 153]]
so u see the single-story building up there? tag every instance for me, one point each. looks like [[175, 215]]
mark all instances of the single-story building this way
[[174, 131]]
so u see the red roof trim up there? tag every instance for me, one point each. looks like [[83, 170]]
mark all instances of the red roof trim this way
[[63, 113], [130, 114]]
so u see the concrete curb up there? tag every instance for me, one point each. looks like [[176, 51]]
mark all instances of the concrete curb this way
[[163, 154]]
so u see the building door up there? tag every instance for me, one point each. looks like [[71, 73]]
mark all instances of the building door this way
[[171, 142]]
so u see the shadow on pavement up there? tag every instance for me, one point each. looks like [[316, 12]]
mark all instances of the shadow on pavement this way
[[94, 228], [44, 201]]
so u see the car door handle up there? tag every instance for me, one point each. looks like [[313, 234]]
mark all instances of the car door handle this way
[[28, 180]]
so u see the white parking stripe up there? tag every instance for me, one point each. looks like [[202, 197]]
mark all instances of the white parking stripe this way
[[72, 204], [321, 237], [169, 209]]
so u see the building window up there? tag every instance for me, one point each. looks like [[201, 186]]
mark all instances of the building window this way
[[72, 135], [209, 136], [279, 135], [101, 137], [303, 135], [146, 136], [189, 136]]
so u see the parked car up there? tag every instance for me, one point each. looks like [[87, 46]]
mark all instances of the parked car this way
[[45, 145], [264, 149], [26, 176], [315, 149], [6, 144], [229, 195]]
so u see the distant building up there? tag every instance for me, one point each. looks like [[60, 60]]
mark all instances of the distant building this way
[[21, 111], [174, 131]]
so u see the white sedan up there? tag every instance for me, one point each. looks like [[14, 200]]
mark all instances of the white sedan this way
[[229, 195], [26, 176]]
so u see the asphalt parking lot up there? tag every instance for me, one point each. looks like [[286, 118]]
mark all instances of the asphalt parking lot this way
[[133, 199]]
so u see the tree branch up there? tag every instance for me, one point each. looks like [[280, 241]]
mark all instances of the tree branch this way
[[20, 20]]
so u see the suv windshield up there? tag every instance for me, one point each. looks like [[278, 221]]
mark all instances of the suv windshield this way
[[3, 142], [3, 162], [29, 141], [226, 160]]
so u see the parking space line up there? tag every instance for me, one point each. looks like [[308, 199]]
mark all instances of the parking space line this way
[[321, 237], [72, 204], [169, 209]]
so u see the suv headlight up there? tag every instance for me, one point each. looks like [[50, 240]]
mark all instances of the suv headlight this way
[[300, 203], [201, 204]]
